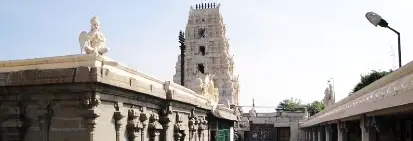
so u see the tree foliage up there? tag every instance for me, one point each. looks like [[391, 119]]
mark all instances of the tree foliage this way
[[295, 104], [291, 104], [369, 78], [315, 107]]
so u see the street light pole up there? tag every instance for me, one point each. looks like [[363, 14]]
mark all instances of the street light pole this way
[[398, 45], [376, 19]]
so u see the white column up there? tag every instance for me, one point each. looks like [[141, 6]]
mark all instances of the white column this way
[[364, 129], [340, 132], [231, 134]]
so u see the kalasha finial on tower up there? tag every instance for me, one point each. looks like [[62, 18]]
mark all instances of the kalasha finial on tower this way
[[208, 5], [214, 4], [196, 6]]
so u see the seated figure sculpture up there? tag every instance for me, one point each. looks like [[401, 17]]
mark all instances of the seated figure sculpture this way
[[94, 41]]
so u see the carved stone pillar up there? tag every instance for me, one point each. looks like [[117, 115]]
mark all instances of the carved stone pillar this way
[[315, 133], [368, 128], [144, 118], [165, 120], [192, 128], [202, 128], [44, 114], [193, 125], [310, 134], [179, 128], [328, 133], [364, 129], [90, 114], [44, 123], [14, 123], [117, 117], [154, 127], [342, 131], [134, 126]]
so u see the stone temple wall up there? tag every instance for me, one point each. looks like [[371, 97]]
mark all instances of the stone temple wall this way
[[85, 98]]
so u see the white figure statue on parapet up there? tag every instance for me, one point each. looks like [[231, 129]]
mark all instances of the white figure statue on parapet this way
[[328, 95], [94, 41]]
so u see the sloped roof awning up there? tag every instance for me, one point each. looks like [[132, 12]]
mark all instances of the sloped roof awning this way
[[224, 115]]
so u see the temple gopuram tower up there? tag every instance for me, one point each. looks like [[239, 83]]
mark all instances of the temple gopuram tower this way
[[207, 52]]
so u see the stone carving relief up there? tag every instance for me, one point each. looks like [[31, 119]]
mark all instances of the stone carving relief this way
[[154, 127], [193, 125], [143, 118], [179, 128], [15, 122], [91, 103], [205, 86], [134, 126], [45, 114], [117, 117], [370, 122], [93, 42], [202, 127], [237, 112], [166, 113], [165, 120], [89, 112]]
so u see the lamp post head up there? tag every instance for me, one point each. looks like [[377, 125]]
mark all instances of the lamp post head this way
[[376, 19]]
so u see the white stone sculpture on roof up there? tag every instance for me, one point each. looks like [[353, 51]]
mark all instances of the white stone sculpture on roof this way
[[93, 42], [328, 99]]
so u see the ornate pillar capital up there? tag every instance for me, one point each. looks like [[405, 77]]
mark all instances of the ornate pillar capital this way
[[90, 102], [179, 128], [154, 126], [343, 126], [133, 126], [117, 116]]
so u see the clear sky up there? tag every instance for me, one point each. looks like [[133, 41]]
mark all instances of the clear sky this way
[[282, 48]]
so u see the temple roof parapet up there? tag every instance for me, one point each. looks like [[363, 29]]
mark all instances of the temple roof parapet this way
[[389, 91], [109, 72]]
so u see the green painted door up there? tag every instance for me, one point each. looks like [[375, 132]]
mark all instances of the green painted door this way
[[222, 135]]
